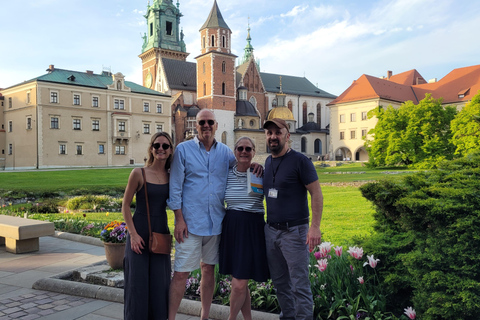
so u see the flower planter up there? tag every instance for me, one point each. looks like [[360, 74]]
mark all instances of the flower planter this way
[[114, 252]]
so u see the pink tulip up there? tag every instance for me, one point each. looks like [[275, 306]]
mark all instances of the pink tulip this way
[[325, 248], [356, 252], [322, 264], [410, 312], [360, 279], [318, 255], [371, 261], [338, 251]]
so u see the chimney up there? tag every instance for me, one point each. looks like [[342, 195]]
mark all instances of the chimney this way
[[389, 74], [51, 68], [89, 72]]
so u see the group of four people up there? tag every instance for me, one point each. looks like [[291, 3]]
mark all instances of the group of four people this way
[[195, 181]]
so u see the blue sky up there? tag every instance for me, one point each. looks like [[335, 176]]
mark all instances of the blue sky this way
[[330, 42]]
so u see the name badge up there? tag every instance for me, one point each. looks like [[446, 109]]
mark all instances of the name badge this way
[[273, 193]]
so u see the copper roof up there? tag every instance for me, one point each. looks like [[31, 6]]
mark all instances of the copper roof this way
[[459, 85]]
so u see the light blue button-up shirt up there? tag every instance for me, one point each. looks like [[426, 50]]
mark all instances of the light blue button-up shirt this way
[[198, 179]]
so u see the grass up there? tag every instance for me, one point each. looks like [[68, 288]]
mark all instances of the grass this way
[[346, 213]]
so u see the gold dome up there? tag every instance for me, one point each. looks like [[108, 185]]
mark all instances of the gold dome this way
[[282, 113]]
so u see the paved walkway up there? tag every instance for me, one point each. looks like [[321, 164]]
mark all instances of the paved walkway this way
[[18, 272]]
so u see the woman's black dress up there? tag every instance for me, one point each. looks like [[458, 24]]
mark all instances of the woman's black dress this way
[[147, 275]]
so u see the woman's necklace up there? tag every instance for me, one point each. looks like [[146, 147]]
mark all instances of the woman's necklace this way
[[156, 175]]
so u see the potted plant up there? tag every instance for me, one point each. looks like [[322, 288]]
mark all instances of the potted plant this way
[[114, 237]]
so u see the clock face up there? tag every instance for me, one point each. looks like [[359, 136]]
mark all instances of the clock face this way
[[148, 80]]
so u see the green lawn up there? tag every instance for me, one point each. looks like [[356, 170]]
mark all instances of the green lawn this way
[[346, 213]]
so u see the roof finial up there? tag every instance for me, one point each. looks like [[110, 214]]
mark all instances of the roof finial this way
[[281, 84]]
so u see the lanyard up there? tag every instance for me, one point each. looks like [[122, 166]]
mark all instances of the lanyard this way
[[274, 172]]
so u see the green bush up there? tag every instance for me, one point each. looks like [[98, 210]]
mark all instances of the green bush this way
[[47, 206], [94, 203], [428, 235]]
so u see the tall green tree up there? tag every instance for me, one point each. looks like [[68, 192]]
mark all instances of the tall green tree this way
[[466, 128], [412, 135]]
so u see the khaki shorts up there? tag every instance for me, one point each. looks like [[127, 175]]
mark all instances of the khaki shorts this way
[[194, 249]]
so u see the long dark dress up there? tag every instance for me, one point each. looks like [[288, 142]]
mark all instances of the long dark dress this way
[[147, 275]]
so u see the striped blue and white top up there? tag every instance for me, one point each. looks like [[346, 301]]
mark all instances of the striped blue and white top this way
[[236, 195]]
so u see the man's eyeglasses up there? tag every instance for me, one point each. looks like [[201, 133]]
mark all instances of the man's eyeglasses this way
[[210, 122], [165, 146], [247, 149]]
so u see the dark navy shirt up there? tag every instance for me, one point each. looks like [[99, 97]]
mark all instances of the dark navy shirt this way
[[293, 171]]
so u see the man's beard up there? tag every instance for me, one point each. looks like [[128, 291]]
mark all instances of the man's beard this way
[[275, 149]]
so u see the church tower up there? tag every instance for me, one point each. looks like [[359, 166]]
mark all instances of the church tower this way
[[216, 88], [163, 39]]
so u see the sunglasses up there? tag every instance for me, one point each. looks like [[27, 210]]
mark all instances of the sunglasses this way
[[165, 146], [210, 122], [247, 149]]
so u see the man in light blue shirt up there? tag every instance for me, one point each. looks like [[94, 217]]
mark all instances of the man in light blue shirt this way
[[198, 179]]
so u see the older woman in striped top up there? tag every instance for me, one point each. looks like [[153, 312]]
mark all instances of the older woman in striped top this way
[[242, 245]]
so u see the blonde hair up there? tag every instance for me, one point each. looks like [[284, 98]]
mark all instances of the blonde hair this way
[[149, 150]]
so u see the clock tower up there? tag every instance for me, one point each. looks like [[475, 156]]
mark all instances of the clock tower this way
[[163, 39]]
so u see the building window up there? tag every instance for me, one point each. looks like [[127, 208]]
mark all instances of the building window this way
[[79, 149], [76, 99], [119, 85], [204, 89], [119, 149], [146, 107], [96, 125], [10, 126], [364, 133], [319, 114], [10, 148], [224, 67], [305, 114], [224, 41], [212, 44], [353, 117], [364, 115], [159, 108], [119, 104], [101, 148], [342, 135], [121, 126], [95, 102], [53, 97], [223, 88], [10, 102], [159, 127], [342, 118], [62, 149], [168, 28], [77, 124], [28, 97], [203, 46], [146, 128], [252, 123], [29, 123], [54, 123], [353, 134]]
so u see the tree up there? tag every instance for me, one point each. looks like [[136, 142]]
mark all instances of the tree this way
[[466, 128], [412, 135]]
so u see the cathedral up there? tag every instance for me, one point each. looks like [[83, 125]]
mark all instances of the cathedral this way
[[241, 96]]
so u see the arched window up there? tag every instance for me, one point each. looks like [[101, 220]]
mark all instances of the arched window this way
[[224, 42], [318, 146], [204, 67], [304, 144], [304, 120], [204, 89], [290, 105], [224, 67], [203, 42], [223, 88], [224, 137], [319, 114], [212, 44], [274, 103], [119, 85], [253, 101]]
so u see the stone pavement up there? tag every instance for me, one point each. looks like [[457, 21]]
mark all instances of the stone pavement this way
[[64, 300], [18, 272]]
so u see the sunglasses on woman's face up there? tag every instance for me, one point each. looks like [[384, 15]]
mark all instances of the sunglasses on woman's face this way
[[247, 149], [164, 146], [210, 122]]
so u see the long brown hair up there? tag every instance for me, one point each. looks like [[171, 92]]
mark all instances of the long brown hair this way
[[149, 150]]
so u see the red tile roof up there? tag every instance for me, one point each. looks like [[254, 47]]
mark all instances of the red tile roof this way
[[459, 85]]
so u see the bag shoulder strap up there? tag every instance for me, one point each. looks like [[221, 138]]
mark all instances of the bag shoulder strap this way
[[146, 200]]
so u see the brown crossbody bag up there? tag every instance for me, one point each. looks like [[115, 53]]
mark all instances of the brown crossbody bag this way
[[160, 243]]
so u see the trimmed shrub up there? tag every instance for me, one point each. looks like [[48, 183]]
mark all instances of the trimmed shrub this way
[[428, 235]]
